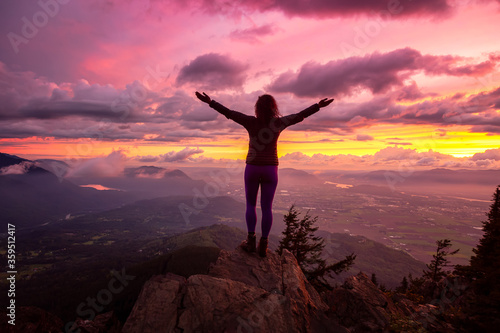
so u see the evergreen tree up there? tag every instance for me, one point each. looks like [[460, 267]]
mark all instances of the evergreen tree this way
[[440, 260], [299, 239], [486, 260], [482, 310]]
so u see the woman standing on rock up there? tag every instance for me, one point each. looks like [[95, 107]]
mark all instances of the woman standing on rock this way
[[262, 159]]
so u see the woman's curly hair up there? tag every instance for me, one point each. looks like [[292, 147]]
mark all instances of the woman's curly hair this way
[[266, 107]]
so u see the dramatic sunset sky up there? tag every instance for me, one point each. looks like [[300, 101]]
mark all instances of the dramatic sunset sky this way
[[415, 82]]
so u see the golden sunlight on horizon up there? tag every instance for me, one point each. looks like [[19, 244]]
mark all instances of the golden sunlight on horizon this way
[[456, 142]]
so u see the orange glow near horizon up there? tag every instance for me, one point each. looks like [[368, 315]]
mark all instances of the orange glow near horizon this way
[[455, 141]]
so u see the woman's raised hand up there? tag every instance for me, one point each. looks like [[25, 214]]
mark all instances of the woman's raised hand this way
[[204, 98], [325, 102]]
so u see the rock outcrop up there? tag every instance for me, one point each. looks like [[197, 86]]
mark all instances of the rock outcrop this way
[[245, 293], [241, 293]]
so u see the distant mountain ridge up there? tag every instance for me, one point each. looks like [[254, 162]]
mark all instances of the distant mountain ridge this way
[[7, 160], [292, 176], [154, 172], [36, 192], [34, 196]]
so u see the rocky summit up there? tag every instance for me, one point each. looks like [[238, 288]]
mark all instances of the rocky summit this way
[[245, 293]]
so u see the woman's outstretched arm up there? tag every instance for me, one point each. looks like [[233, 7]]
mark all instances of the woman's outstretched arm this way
[[236, 116], [298, 117]]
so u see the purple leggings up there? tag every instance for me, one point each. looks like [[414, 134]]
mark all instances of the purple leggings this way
[[267, 177]]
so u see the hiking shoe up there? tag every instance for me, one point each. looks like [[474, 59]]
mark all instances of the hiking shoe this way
[[263, 247], [249, 245]]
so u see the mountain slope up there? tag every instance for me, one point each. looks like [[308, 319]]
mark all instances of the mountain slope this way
[[389, 265]]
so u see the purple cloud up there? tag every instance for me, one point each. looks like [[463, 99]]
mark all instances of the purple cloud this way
[[213, 71], [377, 72], [335, 8]]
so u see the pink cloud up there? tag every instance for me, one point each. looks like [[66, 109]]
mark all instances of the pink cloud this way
[[17, 87], [489, 154], [251, 35], [17, 169], [111, 165], [181, 155], [364, 137], [392, 158]]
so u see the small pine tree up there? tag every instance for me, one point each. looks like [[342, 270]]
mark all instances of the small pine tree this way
[[440, 260], [299, 239], [403, 287]]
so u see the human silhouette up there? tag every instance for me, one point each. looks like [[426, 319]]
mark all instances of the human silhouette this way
[[262, 159]]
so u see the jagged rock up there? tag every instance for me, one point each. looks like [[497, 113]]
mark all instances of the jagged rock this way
[[249, 269], [222, 305], [241, 293], [360, 306], [157, 305], [405, 305]]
